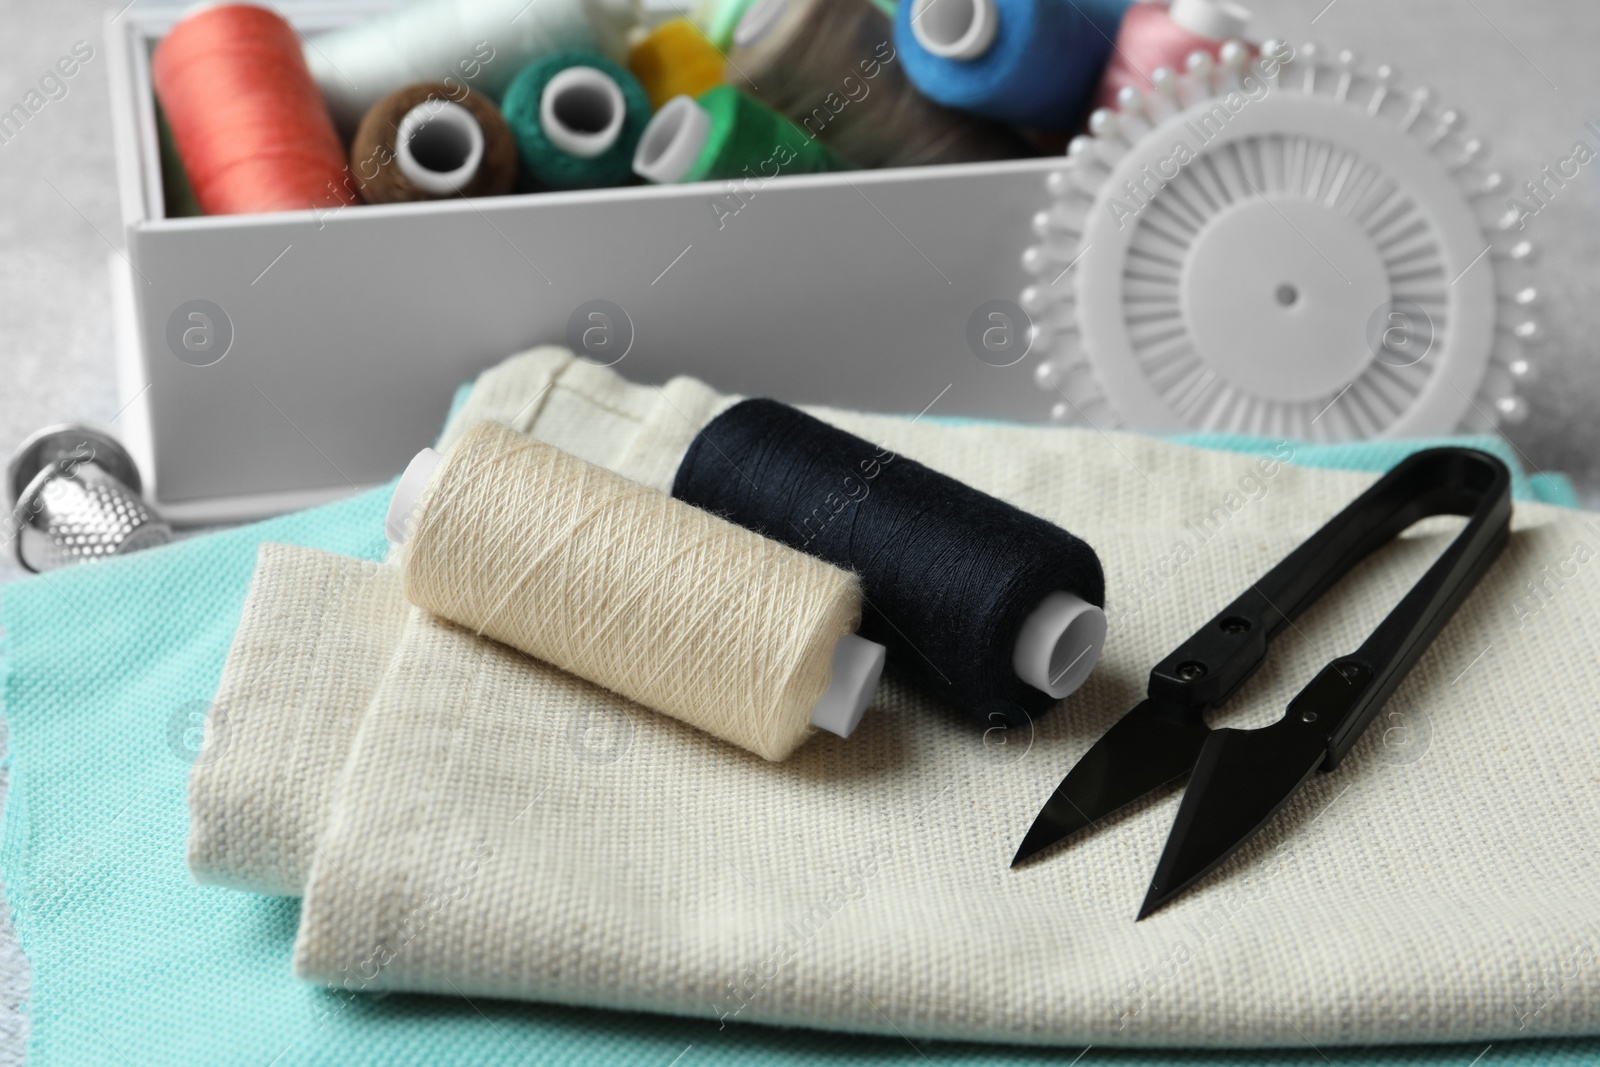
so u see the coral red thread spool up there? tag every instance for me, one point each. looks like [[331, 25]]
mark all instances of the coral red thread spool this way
[[248, 121], [1156, 35]]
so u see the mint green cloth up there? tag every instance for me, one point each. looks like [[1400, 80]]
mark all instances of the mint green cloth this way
[[108, 669]]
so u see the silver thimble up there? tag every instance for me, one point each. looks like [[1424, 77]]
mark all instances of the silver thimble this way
[[76, 496]]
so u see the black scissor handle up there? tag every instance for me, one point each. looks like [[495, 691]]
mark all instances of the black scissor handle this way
[[1206, 669]]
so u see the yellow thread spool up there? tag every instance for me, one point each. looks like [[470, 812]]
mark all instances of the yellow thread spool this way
[[675, 59]]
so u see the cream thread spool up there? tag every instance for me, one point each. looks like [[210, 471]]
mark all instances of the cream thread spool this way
[[732, 633]]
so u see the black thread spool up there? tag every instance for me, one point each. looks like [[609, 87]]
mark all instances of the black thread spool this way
[[960, 586]]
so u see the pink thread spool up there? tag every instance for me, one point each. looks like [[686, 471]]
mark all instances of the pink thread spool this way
[[1155, 35]]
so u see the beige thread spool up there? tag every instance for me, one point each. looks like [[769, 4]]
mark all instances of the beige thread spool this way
[[831, 68], [664, 603], [429, 141]]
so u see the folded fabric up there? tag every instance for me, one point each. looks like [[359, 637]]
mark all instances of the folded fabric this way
[[326, 627], [133, 963], [501, 829], [1548, 487]]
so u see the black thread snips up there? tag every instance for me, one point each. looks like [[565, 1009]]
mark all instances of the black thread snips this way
[[1239, 779]]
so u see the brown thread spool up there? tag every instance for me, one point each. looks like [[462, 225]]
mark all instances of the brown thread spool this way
[[430, 141], [830, 66]]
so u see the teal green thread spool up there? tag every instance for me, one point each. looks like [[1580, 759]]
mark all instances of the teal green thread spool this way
[[725, 134], [577, 118]]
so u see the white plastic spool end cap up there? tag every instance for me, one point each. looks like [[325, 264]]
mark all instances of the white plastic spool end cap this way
[[581, 111], [408, 492], [1059, 644], [955, 29], [1219, 20], [439, 146], [857, 666], [672, 141]]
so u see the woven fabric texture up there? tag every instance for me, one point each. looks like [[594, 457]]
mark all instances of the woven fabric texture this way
[[327, 625], [109, 670], [506, 831]]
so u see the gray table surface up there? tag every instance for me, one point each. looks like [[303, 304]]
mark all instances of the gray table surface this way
[[1523, 71]]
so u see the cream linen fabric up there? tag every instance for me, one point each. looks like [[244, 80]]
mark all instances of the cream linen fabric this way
[[501, 829], [320, 630]]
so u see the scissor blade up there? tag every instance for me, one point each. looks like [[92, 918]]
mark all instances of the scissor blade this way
[[1147, 748], [1239, 782]]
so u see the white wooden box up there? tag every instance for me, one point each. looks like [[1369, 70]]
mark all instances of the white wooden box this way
[[350, 330]]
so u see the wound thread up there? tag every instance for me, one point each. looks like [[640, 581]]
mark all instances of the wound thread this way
[[1038, 67], [620, 584], [479, 44], [739, 138], [675, 59], [831, 67], [949, 574], [247, 120], [576, 117], [438, 122]]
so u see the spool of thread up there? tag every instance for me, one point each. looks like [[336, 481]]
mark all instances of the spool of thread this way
[[479, 44], [831, 68], [617, 583], [247, 120], [429, 141], [576, 118], [1154, 35], [1030, 62], [991, 609], [726, 135], [675, 59]]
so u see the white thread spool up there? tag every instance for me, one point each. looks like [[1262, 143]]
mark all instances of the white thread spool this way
[[581, 111], [955, 29], [672, 141], [856, 664], [479, 43], [439, 146]]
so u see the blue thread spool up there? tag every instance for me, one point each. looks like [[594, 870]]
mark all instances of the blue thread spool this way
[[1030, 62]]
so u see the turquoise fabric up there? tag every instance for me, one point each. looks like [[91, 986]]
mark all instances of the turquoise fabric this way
[[108, 669]]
